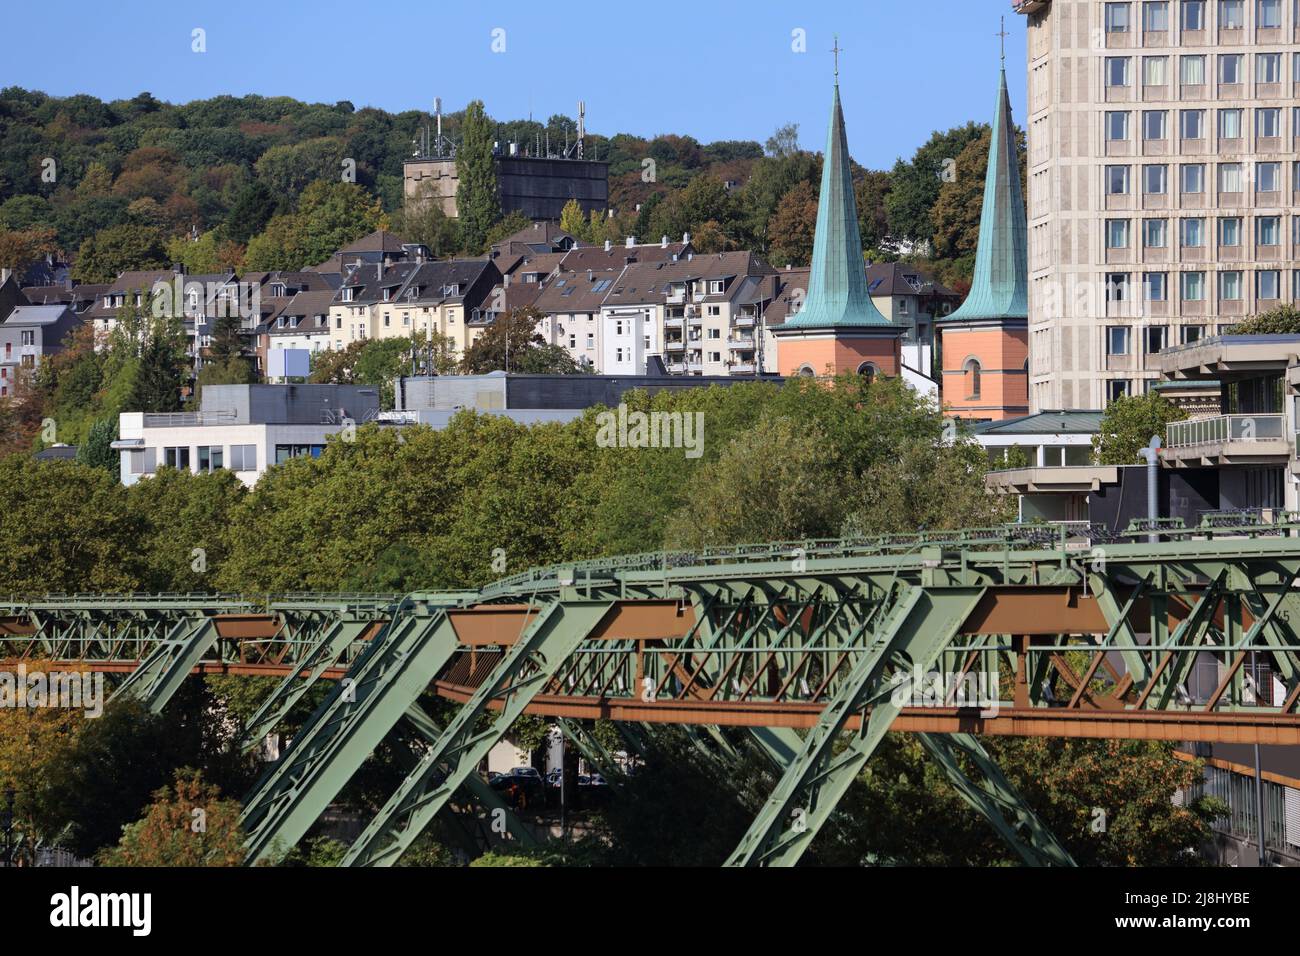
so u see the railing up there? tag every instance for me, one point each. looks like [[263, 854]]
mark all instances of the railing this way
[[741, 343], [184, 419], [1225, 428]]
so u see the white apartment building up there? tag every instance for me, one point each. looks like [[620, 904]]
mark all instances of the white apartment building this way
[[245, 428], [1163, 179]]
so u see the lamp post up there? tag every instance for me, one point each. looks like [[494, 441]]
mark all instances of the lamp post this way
[[8, 821]]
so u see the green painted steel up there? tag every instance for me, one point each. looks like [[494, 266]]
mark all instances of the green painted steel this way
[[160, 674], [377, 691], [994, 798], [501, 819], [324, 652], [547, 641], [908, 637]]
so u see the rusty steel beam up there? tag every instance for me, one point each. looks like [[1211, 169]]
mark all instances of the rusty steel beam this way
[[1269, 728]]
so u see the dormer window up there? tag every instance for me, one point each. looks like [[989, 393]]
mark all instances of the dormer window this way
[[388, 294], [717, 286], [345, 294], [277, 289]]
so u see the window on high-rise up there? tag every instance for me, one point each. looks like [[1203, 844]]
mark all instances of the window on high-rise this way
[[1117, 340], [1229, 286], [1268, 177], [1192, 70], [1268, 284], [1268, 121], [1117, 71], [1154, 70], [1155, 16], [1192, 334], [1117, 17], [1268, 67], [1193, 233], [1193, 178], [1157, 336], [1193, 14], [1155, 286], [1230, 232], [1193, 286], [1155, 180], [1116, 388], [1269, 14], [1229, 177], [1153, 124], [1232, 14], [1117, 234], [1193, 124], [1117, 287], [1117, 125], [1230, 124], [1117, 180], [1154, 234], [1230, 68], [1268, 230]]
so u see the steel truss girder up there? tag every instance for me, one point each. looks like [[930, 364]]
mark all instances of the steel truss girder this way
[[161, 674], [323, 652], [911, 634], [994, 798], [377, 691], [426, 735], [528, 666]]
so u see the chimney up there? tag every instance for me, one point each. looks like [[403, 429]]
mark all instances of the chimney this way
[[631, 241], [663, 242], [4, 274], [178, 268], [607, 246], [591, 276]]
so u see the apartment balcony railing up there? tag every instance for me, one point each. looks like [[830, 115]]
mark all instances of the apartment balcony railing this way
[[187, 419], [742, 368], [743, 321], [673, 322], [674, 346], [675, 368], [1223, 429], [741, 343]]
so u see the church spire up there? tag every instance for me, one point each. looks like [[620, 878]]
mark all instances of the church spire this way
[[1000, 286], [837, 286]]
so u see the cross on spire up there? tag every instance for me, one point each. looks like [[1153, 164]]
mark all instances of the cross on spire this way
[[1003, 34], [837, 49]]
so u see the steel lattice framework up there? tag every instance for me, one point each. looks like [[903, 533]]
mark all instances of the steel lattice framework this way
[[803, 646]]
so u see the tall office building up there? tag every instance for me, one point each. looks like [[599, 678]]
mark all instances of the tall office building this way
[[1163, 180]]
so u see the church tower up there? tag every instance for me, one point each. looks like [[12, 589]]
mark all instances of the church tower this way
[[985, 343], [838, 329]]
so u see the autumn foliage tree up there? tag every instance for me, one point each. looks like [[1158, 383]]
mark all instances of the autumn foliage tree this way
[[188, 824]]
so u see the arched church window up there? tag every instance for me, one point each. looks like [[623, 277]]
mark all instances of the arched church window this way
[[971, 375]]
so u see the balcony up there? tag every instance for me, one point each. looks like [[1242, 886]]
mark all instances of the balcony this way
[[675, 368], [1228, 439], [742, 368], [743, 321], [741, 343], [673, 322], [674, 345]]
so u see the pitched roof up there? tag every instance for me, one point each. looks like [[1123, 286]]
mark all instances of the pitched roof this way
[[36, 314], [793, 285], [577, 291], [837, 285], [901, 278], [381, 240], [1000, 285], [425, 282], [1078, 421], [597, 257]]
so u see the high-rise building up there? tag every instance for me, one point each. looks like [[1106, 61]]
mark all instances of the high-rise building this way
[[1163, 179]]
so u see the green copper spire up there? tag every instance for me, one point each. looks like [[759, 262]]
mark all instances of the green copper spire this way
[[837, 287], [1000, 287]]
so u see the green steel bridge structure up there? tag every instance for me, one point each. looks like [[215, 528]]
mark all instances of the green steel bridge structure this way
[[798, 648]]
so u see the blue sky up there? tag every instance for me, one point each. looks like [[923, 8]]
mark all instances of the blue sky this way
[[712, 69]]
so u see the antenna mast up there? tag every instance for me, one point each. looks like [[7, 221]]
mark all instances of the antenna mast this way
[[582, 125]]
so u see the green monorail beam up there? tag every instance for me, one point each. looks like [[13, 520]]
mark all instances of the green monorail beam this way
[[994, 798], [323, 653], [161, 674], [524, 670], [912, 634], [381, 685]]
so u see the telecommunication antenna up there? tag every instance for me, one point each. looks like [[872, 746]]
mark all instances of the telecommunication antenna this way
[[582, 125]]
